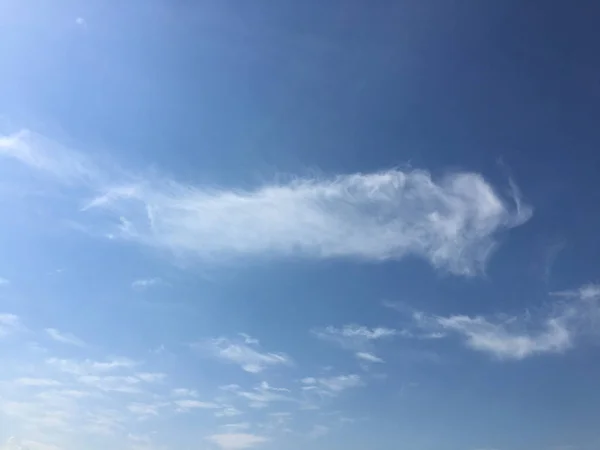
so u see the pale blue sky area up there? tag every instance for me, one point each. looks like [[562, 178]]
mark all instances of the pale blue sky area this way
[[281, 225]]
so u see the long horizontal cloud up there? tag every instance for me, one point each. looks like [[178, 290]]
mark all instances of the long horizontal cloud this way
[[236, 441], [357, 338], [451, 222], [247, 355], [521, 336]]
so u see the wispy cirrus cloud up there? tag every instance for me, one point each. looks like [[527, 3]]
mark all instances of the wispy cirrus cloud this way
[[65, 338], [36, 382], [515, 337], [505, 338], [146, 283], [236, 441], [587, 292], [184, 392], [50, 157], [9, 324], [332, 385], [237, 426], [354, 335], [105, 400], [228, 411], [452, 222], [151, 377], [262, 395], [97, 399], [88, 366], [145, 410], [318, 431], [111, 383], [189, 404], [369, 357], [27, 444], [358, 338], [248, 356]]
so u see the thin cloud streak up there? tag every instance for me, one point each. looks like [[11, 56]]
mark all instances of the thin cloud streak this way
[[146, 283], [248, 356], [37, 382], [358, 338], [261, 395], [236, 441], [354, 336], [369, 357], [189, 404], [331, 385], [65, 338], [50, 158], [504, 341], [9, 324], [451, 222], [520, 336], [87, 366]]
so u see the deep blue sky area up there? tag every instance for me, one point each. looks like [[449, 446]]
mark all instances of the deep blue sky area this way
[[281, 225]]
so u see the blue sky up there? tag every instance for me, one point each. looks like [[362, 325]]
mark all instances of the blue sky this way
[[288, 225]]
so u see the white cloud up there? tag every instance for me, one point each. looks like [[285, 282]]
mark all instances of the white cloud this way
[[248, 357], [91, 367], [228, 411], [378, 216], [520, 336], [354, 336], [151, 377], [331, 385], [236, 441], [108, 422], [358, 338], [144, 409], [113, 375], [585, 292], [9, 324], [81, 22], [237, 426], [451, 222], [101, 401], [65, 338], [146, 283], [61, 395], [369, 357], [123, 384], [186, 405], [114, 364], [36, 382], [249, 339], [27, 444], [505, 340], [34, 413], [49, 157], [140, 442], [4, 281], [184, 392], [10, 444], [318, 431], [340, 383], [261, 395]]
